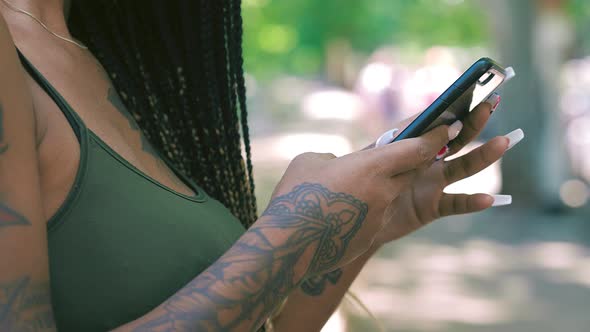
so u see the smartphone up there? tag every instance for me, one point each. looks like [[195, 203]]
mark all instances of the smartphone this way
[[473, 87]]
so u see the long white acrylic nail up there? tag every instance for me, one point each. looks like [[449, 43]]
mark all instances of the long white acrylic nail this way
[[455, 129], [386, 137], [501, 200], [510, 73], [514, 137]]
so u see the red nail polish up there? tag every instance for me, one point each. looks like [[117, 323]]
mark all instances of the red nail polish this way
[[497, 103], [442, 153], [494, 101]]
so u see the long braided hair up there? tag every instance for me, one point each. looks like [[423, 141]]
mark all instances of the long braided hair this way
[[177, 65]]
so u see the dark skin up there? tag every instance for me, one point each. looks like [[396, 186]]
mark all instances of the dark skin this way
[[325, 214]]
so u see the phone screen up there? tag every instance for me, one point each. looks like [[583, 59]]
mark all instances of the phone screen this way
[[470, 98]]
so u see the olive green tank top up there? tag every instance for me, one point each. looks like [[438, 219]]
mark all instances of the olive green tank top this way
[[122, 243]]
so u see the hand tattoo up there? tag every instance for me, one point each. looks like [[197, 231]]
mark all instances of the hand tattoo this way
[[315, 286], [25, 307], [319, 215], [243, 287]]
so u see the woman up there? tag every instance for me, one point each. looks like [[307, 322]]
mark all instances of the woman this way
[[99, 230]]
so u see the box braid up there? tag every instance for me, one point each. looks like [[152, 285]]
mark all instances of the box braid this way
[[178, 67]]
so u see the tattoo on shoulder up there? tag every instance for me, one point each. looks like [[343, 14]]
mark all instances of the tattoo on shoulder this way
[[264, 265], [117, 103], [146, 146], [9, 217], [25, 306], [315, 286], [3, 145]]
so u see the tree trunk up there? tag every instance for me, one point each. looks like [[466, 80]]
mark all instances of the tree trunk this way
[[534, 170]]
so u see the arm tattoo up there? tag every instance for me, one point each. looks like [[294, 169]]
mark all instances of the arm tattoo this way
[[315, 286], [242, 288], [25, 307], [9, 217], [3, 145]]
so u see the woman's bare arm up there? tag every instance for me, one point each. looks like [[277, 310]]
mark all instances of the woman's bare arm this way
[[309, 307], [289, 242], [24, 279]]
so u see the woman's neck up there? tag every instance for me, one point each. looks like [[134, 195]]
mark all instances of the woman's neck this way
[[51, 12]]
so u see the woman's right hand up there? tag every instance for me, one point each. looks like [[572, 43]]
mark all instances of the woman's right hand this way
[[324, 213], [338, 204]]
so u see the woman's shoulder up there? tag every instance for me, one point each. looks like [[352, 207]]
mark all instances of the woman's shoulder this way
[[6, 42], [13, 84], [8, 56]]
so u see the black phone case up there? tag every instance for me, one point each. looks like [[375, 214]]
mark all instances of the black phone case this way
[[451, 94]]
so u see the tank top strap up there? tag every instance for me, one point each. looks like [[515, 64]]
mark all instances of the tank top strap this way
[[73, 118]]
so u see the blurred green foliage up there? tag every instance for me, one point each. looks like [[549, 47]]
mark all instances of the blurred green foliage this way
[[579, 10], [290, 36]]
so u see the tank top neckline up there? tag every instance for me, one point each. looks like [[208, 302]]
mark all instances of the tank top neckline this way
[[83, 133]]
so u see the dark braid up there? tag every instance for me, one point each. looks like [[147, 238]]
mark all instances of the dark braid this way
[[237, 34], [178, 66]]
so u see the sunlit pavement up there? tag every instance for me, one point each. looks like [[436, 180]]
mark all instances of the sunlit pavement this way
[[501, 270]]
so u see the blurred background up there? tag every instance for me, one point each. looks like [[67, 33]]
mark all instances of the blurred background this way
[[332, 75]]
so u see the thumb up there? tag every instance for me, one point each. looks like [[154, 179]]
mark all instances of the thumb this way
[[409, 154]]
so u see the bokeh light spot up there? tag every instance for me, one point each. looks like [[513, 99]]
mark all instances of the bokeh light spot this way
[[276, 38], [574, 193]]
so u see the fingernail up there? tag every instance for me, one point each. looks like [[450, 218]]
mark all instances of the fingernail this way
[[494, 100], [510, 73], [455, 129], [442, 153], [514, 137], [386, 137], [501, 200]]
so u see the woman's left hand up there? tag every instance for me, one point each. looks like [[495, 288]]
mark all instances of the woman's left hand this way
[[425, 200]]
